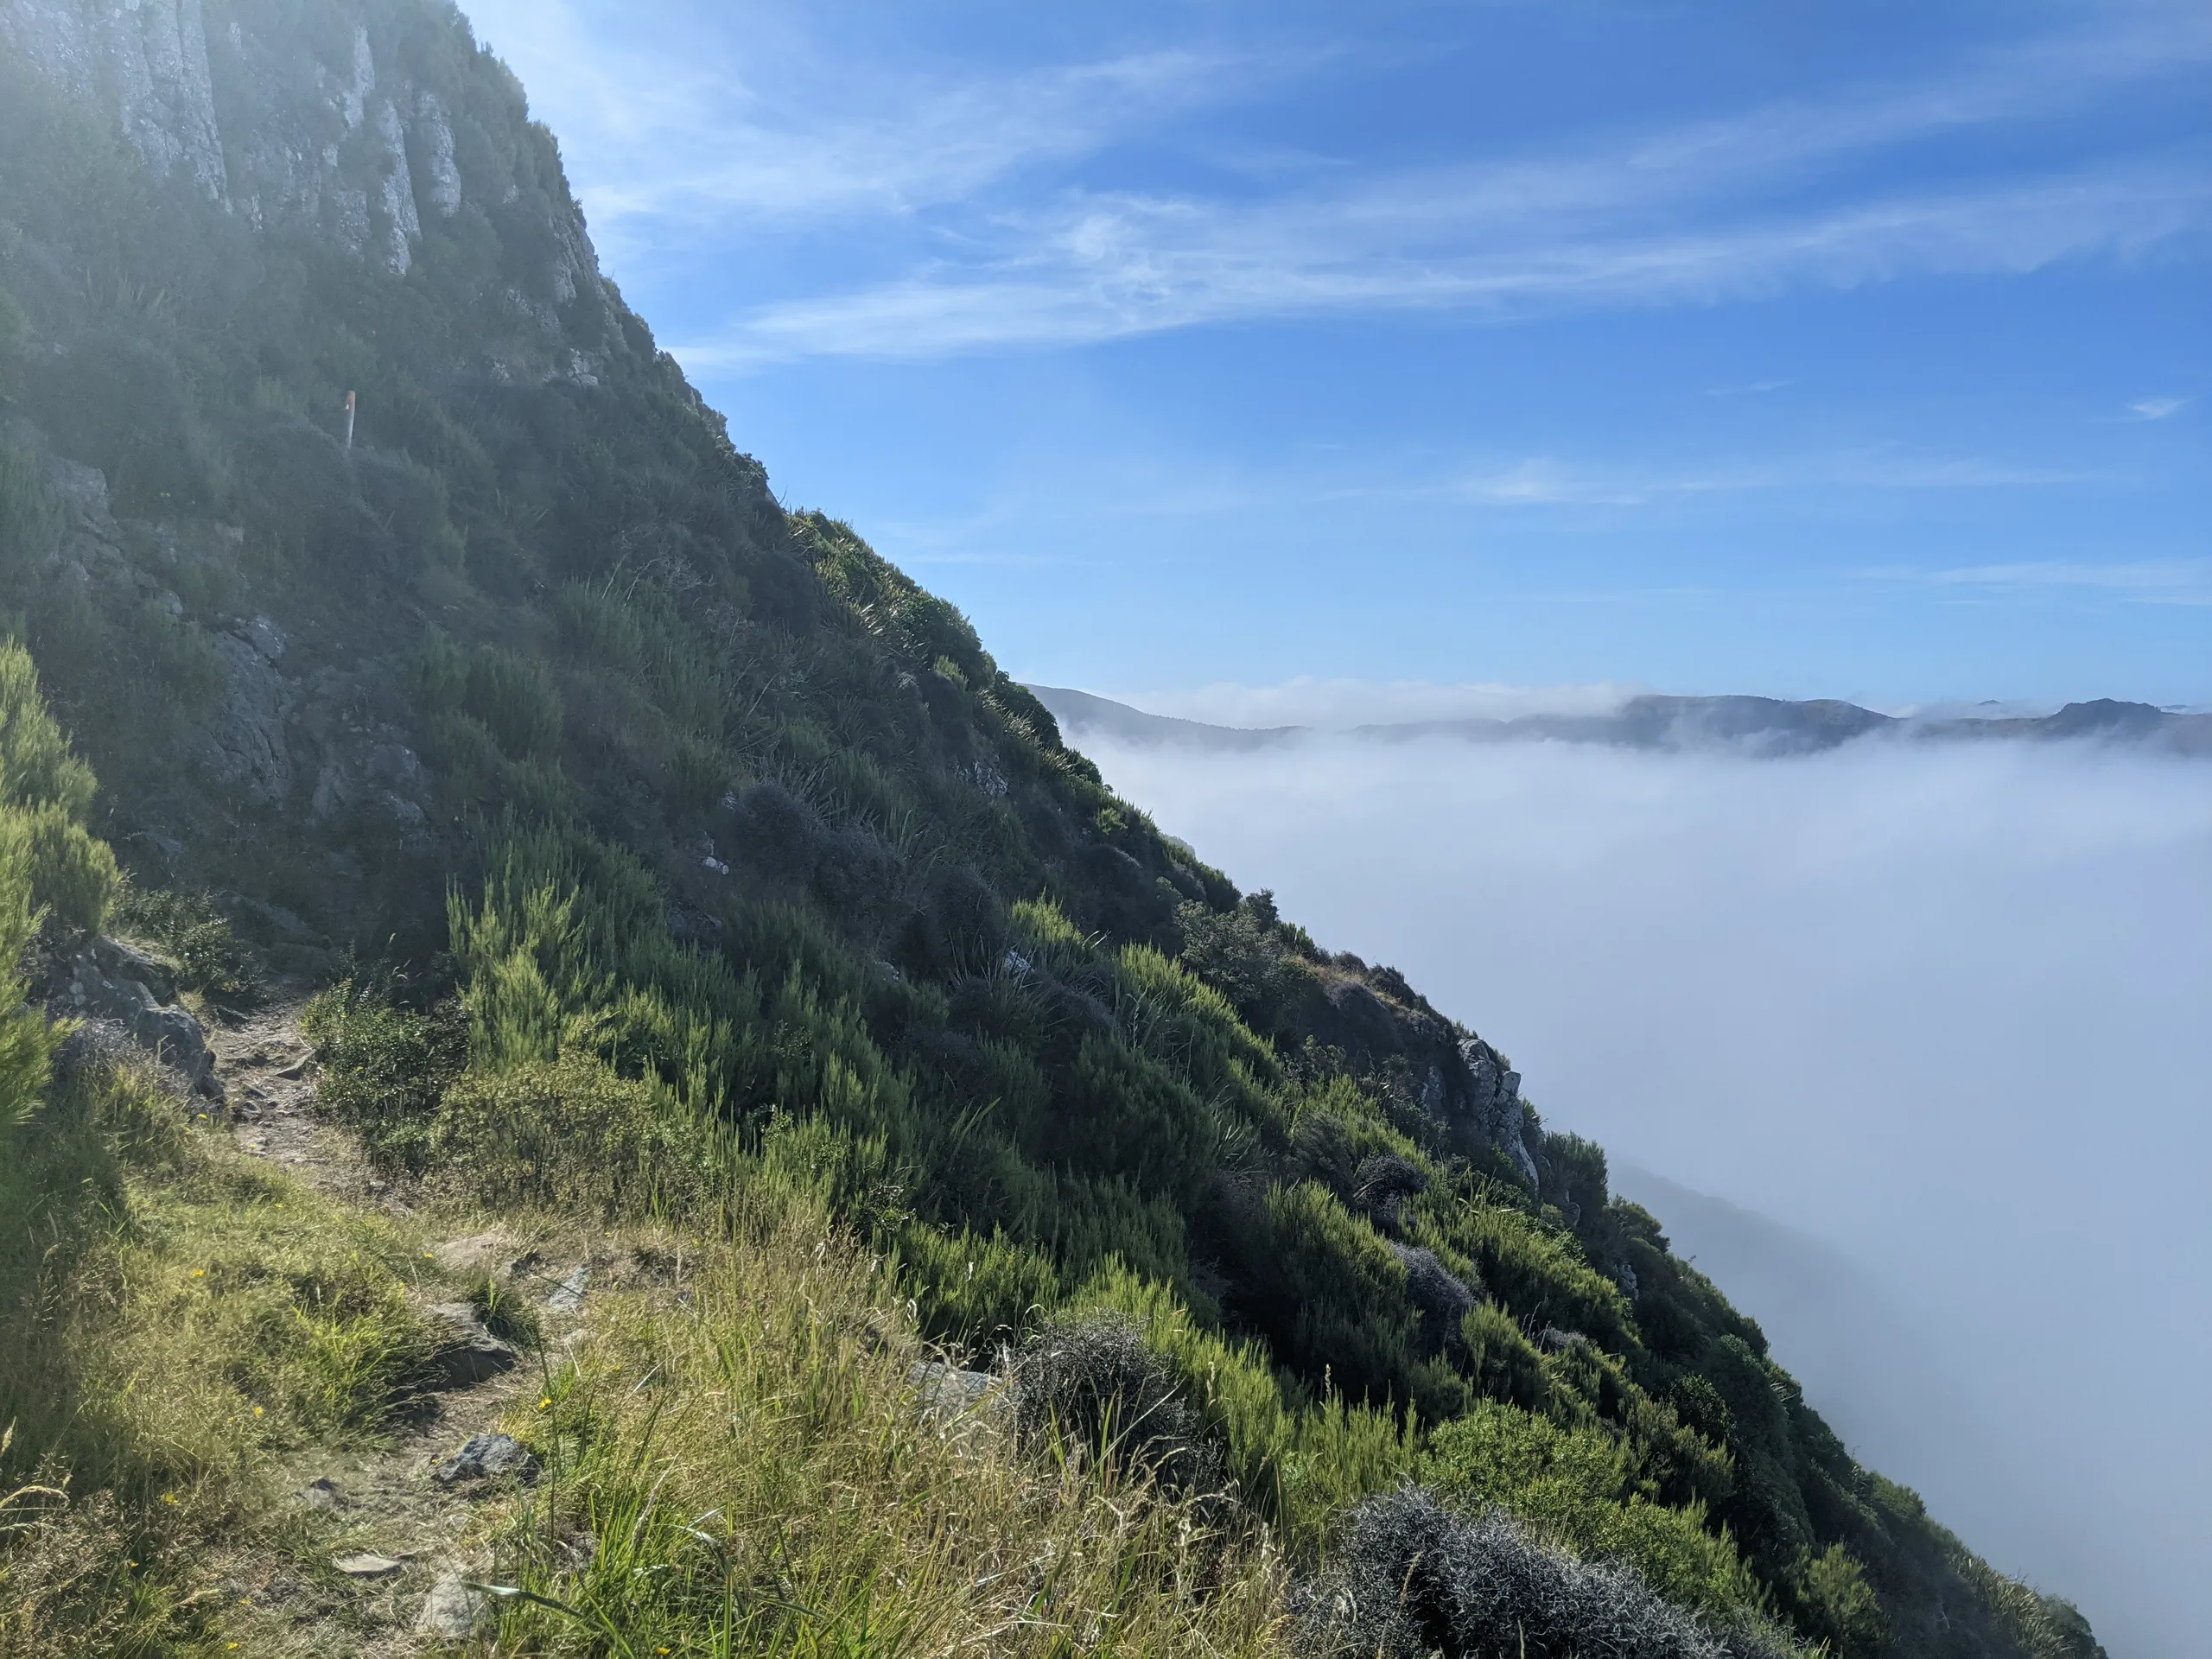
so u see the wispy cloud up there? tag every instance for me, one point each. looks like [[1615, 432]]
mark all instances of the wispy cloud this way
[[689, 126], [1543, 482], [682, 135], [2156, 408], [2163, 582], [1106, 268]]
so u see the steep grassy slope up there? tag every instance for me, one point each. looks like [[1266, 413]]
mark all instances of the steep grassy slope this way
[[644, 823]]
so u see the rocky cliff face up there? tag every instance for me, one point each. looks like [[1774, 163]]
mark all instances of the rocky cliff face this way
[[319, 129]]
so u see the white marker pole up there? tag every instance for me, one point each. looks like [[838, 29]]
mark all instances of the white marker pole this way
[[349, 420]]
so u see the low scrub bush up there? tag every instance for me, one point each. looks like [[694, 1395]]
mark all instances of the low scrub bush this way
[[1091, 1386], [385, 1066], [1575, 1487], [1410, 1579], [573, 1132]]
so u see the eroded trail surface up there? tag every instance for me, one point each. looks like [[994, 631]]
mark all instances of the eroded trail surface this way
[[383, 1561]]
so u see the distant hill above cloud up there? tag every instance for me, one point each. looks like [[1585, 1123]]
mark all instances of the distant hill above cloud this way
[[1761, 726]]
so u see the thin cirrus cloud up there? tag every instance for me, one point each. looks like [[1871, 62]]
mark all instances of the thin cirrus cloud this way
[[1709, 211], [2158, 582], [2156, 408], [680, 128], [684, 134], [1539, 482]]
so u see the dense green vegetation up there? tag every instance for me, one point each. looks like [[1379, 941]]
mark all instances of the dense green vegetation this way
[[671, 835]]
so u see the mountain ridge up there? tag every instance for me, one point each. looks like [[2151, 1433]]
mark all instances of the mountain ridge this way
[[1754, 725]]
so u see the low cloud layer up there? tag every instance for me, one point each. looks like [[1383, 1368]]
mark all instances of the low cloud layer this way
[[1335, 705], [1943, 1011]]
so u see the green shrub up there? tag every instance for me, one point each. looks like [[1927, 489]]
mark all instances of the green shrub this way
[[571, 1132], [515, 696], [197, 939], [37, 767], [1577, 1487], [512, 695], [30, 519], [385, 1067], [73, 875]]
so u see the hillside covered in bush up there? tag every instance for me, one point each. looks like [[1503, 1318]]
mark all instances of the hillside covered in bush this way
[[422, 626]]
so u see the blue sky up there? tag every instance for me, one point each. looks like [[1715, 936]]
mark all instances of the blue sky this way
[[1827, 349]]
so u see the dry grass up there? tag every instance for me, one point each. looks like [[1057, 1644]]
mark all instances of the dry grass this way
[[736, 1460], [169, 1346], [756, 1474]]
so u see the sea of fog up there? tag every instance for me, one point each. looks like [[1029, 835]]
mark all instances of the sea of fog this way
[[1940, 1018]]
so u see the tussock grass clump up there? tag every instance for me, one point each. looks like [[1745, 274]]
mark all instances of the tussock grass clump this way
[[754, 1471]]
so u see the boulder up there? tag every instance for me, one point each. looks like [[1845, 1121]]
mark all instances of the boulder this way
[[1494, 1102], [101, 982]]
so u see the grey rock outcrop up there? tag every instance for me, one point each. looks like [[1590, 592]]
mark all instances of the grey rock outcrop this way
[[146, 61], [349, 145], [108, 981], [454, 1611], [244, 743], [947, 1392], [1494, 1100]]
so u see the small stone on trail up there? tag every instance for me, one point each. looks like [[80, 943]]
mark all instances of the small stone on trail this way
[[367, 1566], [454, 1609], [473, 1354], [321, 1493], [491, 1455], [569, 1295]]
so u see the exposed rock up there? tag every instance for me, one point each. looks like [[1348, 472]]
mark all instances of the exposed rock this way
[[476, 1253], [146, 60], [471, 1354], [487, 1456], [121, 961], [245, 744], [434, 139], [1494, 1102], [86, 514], [947, 1392], [321, 1493], [454, 1611], [115, 993], [368, 1566], [266, 638], [569, 1295]]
